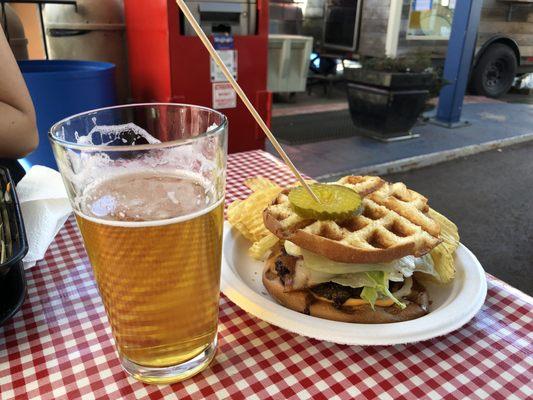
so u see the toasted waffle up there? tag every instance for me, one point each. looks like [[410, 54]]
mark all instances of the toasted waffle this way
[[394, 223]]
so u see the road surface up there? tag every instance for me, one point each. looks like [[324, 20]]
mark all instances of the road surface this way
[[490, 197]]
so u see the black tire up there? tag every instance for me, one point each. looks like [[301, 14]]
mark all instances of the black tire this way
[[495, 71]]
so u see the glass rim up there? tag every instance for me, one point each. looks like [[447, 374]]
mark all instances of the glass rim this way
[[150, 146]]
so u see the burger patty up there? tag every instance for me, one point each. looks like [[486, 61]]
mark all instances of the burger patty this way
[[338, 294]]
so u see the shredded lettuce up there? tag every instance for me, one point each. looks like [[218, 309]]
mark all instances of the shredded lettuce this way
[[397, 269], [381, 285], [358, 280], [323, 264], [403, 267], [370, 294], [426, 265], [311, 277]]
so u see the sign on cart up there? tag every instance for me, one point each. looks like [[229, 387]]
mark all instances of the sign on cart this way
[[224, 96], [230, 59]]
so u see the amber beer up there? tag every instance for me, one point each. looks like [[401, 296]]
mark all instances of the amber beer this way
[[154, 241]]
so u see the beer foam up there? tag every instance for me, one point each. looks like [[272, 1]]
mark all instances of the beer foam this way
[[147, 198], [82, 168], [106, 135], [142, 224]]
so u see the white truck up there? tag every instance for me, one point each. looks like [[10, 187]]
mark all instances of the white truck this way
[[376, 28]]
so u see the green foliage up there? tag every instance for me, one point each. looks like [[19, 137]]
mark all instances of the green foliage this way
[[416, 63], [420, 62]]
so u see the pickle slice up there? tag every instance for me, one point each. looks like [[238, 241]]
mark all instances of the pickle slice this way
[[337, 202]]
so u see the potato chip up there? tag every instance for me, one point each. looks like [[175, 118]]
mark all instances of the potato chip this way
[[259, 183], [247, 215], [443, 254], [260, 249]]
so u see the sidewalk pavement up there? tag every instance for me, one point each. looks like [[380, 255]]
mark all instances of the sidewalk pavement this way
[[493, 125]]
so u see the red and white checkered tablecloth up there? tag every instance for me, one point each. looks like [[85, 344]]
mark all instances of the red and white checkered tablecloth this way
[[60, 346]]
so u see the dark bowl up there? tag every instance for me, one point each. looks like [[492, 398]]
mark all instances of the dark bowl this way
[[12, 279], [12, 292]]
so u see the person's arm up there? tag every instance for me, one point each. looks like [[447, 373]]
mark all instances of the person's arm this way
[[18, 130]]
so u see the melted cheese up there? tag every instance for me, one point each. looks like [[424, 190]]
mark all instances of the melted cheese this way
[[358, 302]]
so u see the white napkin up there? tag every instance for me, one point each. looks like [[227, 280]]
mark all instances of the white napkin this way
[[45, 208]]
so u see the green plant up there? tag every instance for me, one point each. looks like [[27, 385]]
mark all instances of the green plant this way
[[416, 63], [438, 81]]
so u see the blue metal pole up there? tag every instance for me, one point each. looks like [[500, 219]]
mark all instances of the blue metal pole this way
[[459, 56]]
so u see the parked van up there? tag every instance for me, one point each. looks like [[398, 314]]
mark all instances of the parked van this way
[[376, 28]]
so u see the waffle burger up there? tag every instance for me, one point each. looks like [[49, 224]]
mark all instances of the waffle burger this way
[[354, 257]]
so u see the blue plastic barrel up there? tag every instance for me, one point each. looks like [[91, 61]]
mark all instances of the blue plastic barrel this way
[[60, 88]]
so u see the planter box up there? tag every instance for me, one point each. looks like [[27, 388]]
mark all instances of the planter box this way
[[386, 105]]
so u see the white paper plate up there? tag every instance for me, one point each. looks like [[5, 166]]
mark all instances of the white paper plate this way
[[453, 305]]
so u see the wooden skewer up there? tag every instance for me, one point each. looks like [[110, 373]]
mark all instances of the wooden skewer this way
[[242, 96]]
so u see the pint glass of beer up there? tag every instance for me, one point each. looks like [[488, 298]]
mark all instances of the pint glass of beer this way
[[147, 182]]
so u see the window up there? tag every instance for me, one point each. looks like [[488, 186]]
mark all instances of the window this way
[[430, 19]]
